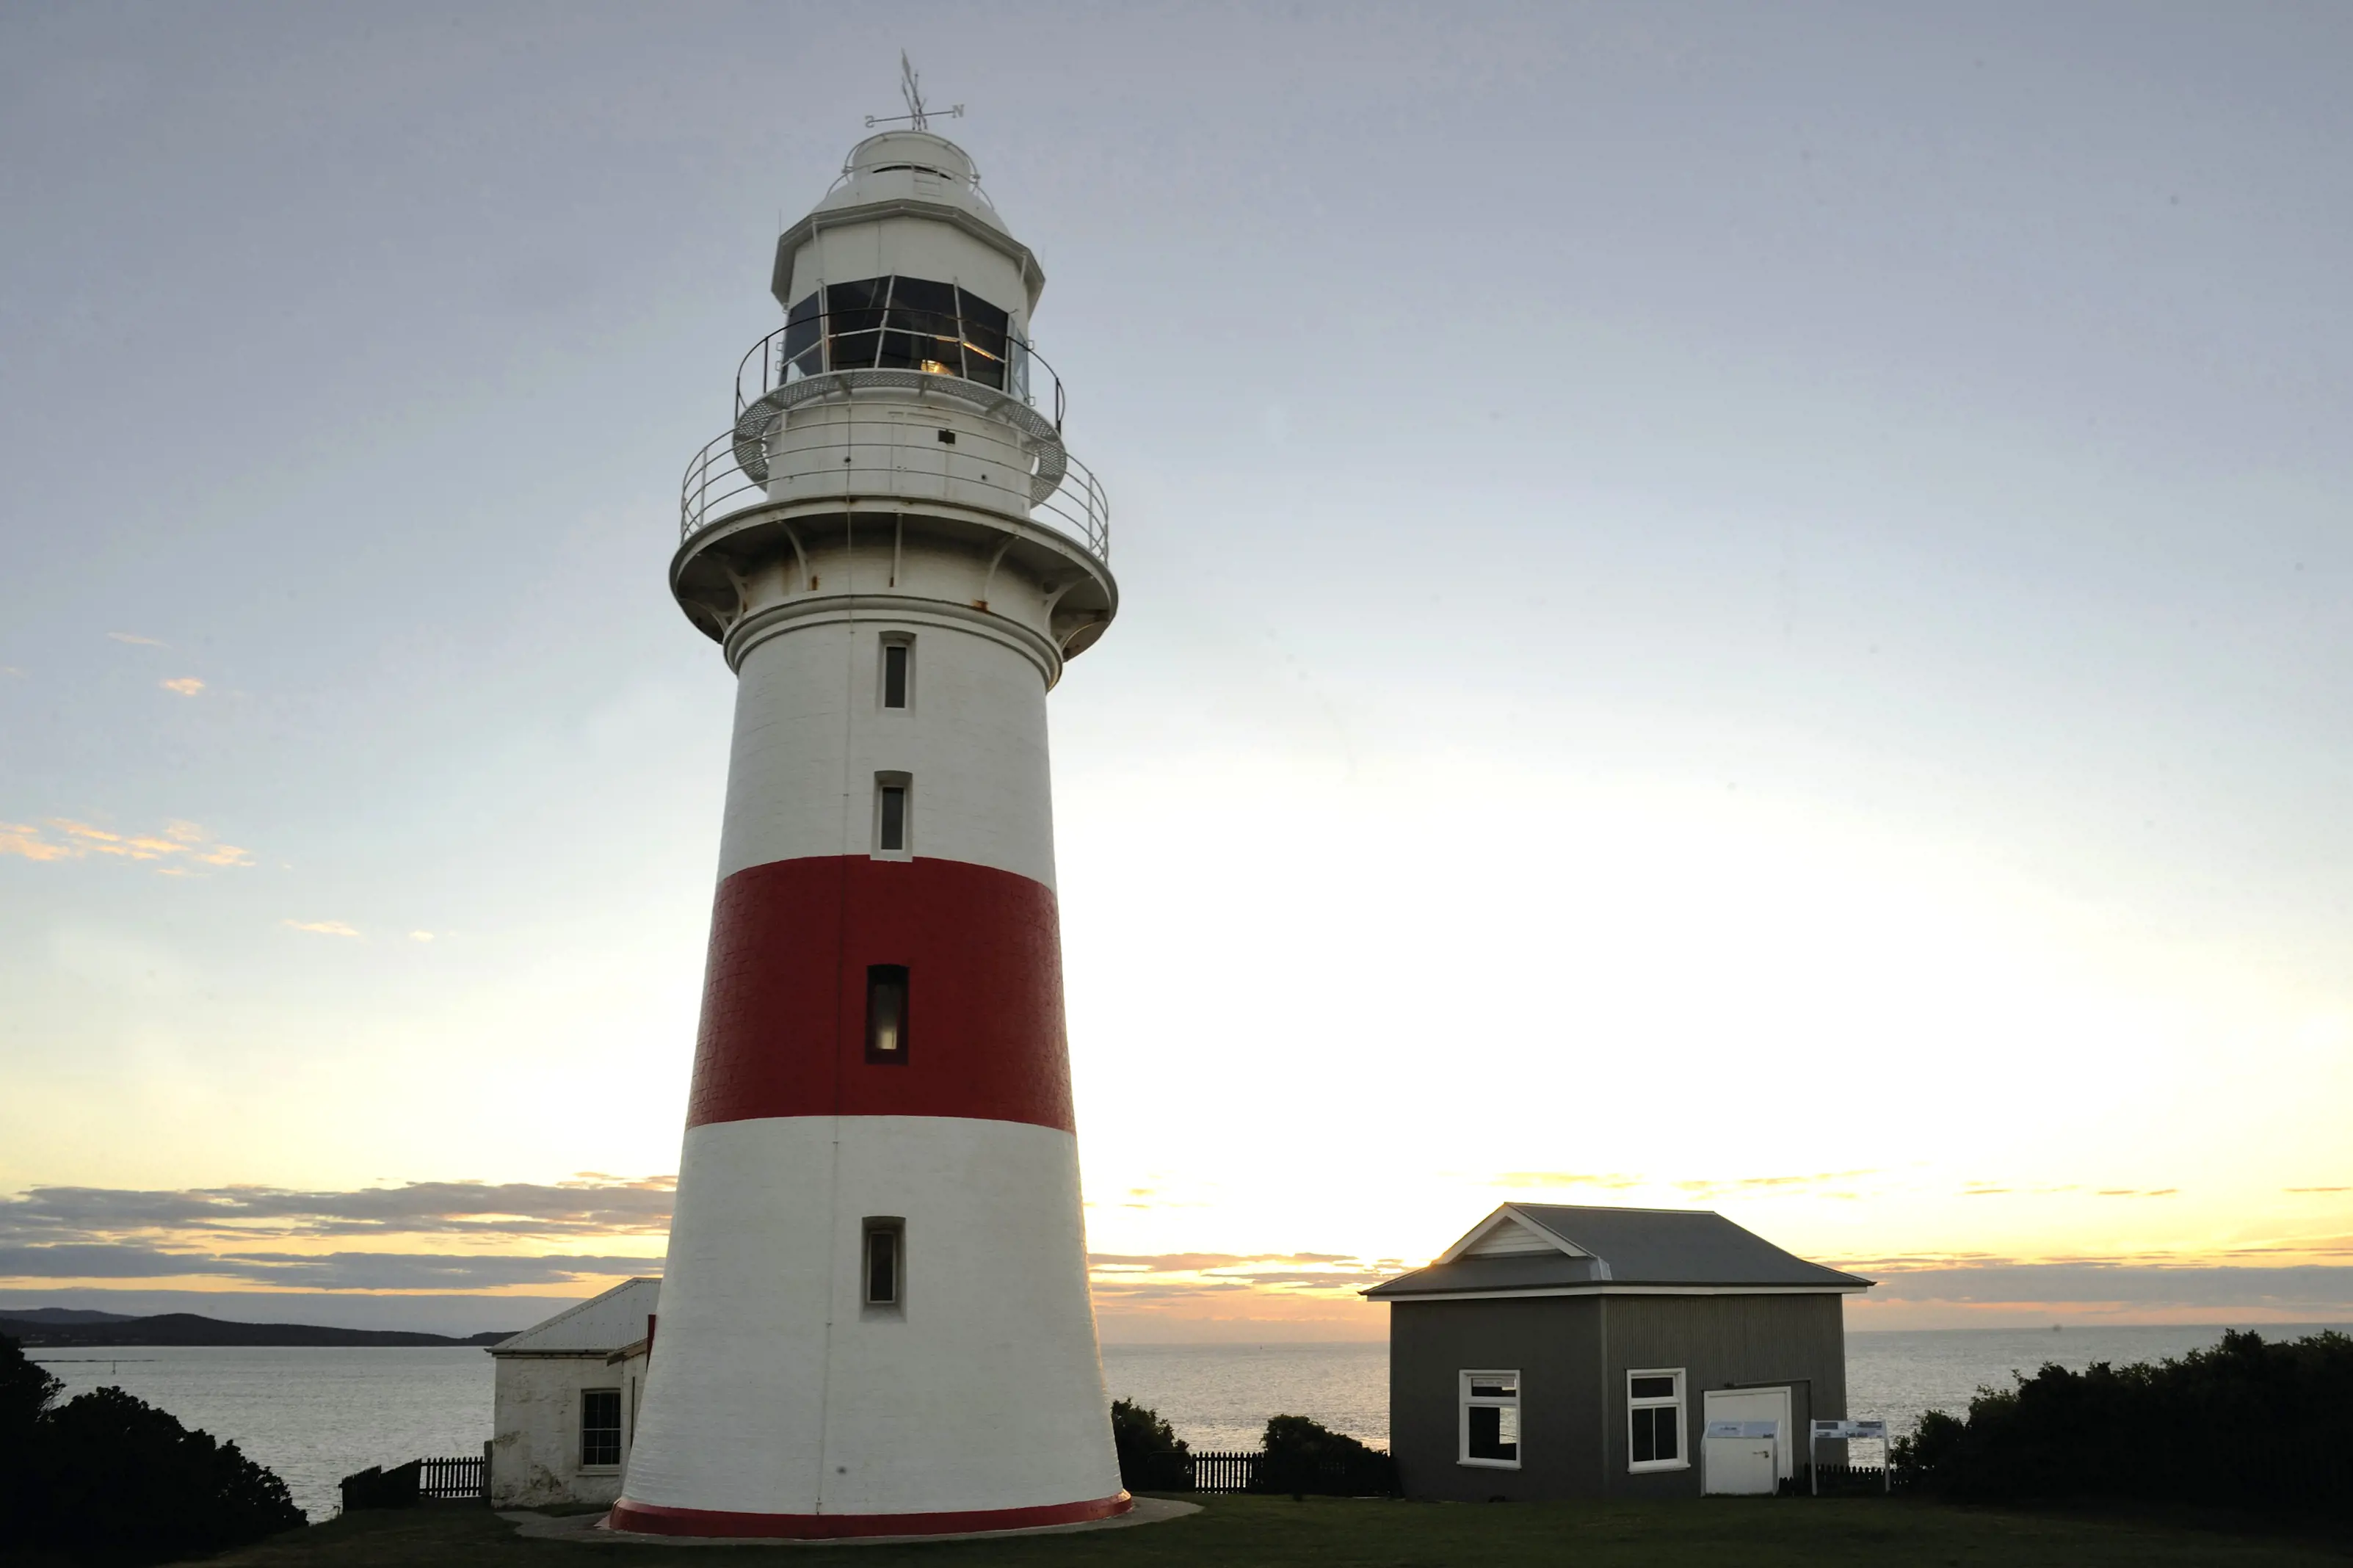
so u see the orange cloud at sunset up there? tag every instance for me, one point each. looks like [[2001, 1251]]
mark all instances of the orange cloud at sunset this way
[[74, 840]]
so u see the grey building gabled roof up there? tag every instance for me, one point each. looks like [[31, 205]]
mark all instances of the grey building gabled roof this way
[[1560, 1249]]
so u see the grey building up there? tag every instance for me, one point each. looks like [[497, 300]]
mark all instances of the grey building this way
[[1557, 1352]]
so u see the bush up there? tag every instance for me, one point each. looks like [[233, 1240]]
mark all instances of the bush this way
[[26, 1392], [1304, 1456], [2246, 1424], [1151, 1456], [1916, 1457], [109, 1477]]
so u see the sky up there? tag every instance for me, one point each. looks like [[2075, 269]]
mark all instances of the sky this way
[[1723, 606]]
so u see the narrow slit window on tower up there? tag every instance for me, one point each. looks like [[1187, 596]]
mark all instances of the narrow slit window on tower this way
[[896, 657], [884, 1263], [891, 815], [886, 1012]]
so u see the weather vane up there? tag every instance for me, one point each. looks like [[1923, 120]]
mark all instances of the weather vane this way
[[910, 89]]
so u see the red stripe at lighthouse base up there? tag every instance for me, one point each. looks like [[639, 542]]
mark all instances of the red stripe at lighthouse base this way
[[653, 1519]]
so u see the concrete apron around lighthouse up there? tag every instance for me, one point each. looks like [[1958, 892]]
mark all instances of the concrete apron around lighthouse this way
[[874, 1316]]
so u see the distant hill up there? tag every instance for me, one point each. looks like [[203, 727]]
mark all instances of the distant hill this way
[[55, 1326]]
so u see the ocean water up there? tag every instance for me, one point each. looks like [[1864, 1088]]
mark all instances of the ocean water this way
[[312, 1415], [316, 1416]]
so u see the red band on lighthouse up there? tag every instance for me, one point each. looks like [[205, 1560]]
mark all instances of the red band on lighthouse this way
[[649, 1519], [784, 1000]]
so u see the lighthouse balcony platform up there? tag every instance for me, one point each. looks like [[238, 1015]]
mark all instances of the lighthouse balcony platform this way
[[918, 422]]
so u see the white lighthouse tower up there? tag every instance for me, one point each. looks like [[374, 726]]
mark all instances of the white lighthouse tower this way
[[875, 1317]]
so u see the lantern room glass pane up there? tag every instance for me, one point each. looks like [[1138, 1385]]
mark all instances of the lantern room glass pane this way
[[902, 324], [985, 332], [853, 320], [801, 328], [918, 305], [856, 307]]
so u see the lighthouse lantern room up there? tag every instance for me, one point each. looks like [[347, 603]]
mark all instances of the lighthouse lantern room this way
[[874, 1317]]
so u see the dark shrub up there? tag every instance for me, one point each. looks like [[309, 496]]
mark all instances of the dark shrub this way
[[114, 1478], [1918, 1456], [2245, 1423], [1304, 1456], [1151, 1456], [26, 1392]]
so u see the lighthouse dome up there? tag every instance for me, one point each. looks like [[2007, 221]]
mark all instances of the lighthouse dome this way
[[899, 165]]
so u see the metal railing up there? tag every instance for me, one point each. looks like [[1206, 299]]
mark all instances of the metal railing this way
[[867, 456], [934, 342]]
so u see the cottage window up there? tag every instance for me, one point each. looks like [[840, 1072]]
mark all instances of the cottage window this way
[[1655, 1420], [891, 825], [600, 1427], [885, 1261], [1491, 1419], [886, 1012], [897, 655]]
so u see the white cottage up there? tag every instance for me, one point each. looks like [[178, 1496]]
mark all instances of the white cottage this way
[[566, 1401]]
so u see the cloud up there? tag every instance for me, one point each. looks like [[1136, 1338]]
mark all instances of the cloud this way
[[589, 1206], [254, 1234], [420, 936], [1194, 1262], [324, 927], [320, 1271], [1169, 1279], [186, 685], [2325, 1291], [22, 838], [1758, 1186], [1620, 1181], [136, 638], [63, 838], [459, 1236], [1614, 1181]]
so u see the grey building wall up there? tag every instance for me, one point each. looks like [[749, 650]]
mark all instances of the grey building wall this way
[[1573, 1353]]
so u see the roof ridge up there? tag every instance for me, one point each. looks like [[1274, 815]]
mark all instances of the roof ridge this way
[[577, 1308]]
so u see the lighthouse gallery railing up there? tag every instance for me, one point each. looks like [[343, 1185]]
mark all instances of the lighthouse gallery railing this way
[[1036, 477]]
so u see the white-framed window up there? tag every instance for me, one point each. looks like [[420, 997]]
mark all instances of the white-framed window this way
[[600, 1428], [894, 827], [1654, 1419], [1491, 1419], [898, 670]]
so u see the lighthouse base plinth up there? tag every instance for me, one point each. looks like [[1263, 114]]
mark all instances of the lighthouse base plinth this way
[[649, 1518]]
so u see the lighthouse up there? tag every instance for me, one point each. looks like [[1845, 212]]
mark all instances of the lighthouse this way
[[874, 1319]]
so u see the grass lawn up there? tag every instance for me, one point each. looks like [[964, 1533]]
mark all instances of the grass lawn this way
[[1871, 1532]]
